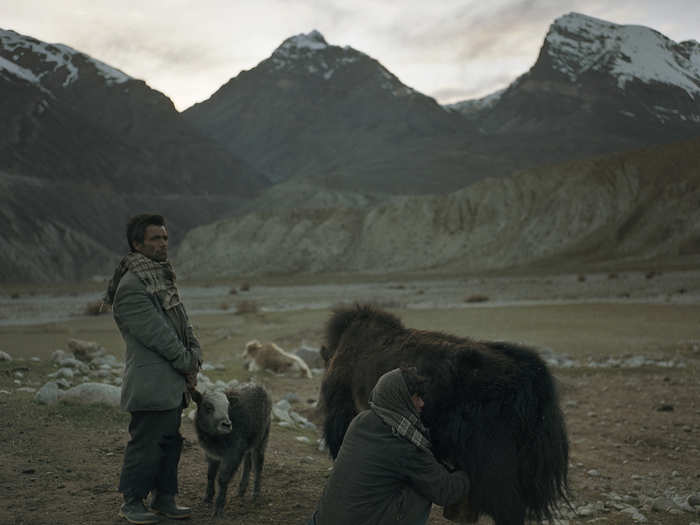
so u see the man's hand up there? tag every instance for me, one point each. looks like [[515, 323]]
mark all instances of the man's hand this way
[[191, 380]]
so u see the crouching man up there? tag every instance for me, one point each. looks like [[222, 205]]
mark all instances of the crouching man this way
[[385, 471], [162, 357]]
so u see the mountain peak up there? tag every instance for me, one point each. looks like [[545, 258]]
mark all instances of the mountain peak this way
[[33, 60], [577, 44], [312, 54], [312, 41]]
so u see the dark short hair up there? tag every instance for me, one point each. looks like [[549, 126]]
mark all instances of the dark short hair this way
[[416, 384], [136, 227]]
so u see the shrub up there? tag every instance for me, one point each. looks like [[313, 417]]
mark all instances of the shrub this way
[[247, 307], [612, 275], [476, 298], [97, 308], [245, 287], [233, 291], [581, 278]]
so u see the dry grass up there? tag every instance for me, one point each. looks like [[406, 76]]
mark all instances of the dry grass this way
[[247, 307]]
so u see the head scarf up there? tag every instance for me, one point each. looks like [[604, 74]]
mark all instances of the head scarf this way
[[391, 401]]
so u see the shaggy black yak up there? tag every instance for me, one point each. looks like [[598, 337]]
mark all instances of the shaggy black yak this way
[[491, 408]]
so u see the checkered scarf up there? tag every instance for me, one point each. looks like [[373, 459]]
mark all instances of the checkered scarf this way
[[159, 280], [391, 401]]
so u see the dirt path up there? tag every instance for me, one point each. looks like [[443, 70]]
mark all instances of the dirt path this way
[[634, 432]]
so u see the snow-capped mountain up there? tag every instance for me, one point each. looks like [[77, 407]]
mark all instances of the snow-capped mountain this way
[[596, 88], [319, 59], [578, 45], [82, 146], [317, 110]]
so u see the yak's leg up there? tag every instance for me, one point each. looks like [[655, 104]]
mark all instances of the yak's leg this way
[[211, 476], [243, 485], [258, 461], [502, 479], [229, 465], [512, 513], [338, 419]]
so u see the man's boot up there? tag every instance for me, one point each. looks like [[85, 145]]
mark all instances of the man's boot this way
[[165, 504], [134, 511]]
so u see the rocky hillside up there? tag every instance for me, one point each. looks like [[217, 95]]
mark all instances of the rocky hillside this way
[[83, 146], [625, 207]]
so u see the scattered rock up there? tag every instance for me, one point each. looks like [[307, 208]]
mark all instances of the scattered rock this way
[[4, 356], [282, 411], [93, 393], [57, 355], [694, 500], [662, 504], [635, 514], [292, 397], [311, 356], [84, 350], [26, 389], [63, 372], [47, 394]]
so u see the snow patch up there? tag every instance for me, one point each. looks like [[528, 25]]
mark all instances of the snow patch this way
[[59, 56], [579, 43], [14, 69]]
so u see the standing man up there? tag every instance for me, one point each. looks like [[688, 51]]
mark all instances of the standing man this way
[[162, 360], [385, 471]]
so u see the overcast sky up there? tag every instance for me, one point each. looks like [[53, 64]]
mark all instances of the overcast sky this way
[[449, 49]]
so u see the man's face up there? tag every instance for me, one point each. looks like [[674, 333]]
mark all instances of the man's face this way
[[418, 403], [155, 243]]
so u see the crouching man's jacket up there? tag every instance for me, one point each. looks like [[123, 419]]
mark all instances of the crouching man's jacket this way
[[380, 478]]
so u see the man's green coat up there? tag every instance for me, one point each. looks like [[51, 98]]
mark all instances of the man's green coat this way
[[156, 359], [380, 478]]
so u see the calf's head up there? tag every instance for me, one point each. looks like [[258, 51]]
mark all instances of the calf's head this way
[[212, 412]]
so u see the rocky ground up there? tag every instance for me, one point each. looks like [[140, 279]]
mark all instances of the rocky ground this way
[[627, 366]]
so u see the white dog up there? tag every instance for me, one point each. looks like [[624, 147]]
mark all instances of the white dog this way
[[269, 356]]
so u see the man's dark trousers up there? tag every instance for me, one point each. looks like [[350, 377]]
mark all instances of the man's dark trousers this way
[[153, 453]]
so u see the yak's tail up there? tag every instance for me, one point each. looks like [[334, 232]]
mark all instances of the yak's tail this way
[[543, 447]]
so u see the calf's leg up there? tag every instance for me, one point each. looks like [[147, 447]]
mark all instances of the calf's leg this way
[[229, 465], [243, 485], [211, 477], [258, 460]]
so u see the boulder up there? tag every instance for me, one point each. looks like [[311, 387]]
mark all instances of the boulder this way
[[93, 393]]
